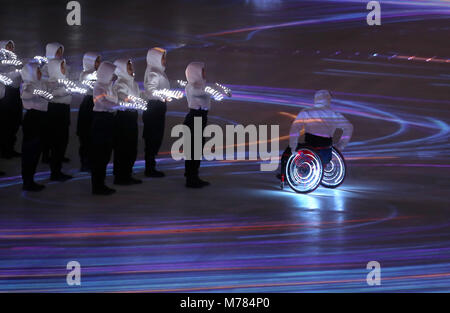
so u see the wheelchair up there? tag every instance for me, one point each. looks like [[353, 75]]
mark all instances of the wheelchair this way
[[305, 170]]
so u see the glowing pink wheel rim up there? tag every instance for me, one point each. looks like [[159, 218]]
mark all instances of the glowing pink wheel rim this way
[[304, 171], [335, 171]]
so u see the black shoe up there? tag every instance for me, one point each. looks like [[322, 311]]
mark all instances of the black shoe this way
[[135, 181], [127, 181], [204, 183], [66, 160], [103, 191], [33, 187], [2, 173], [195, 182], [154, 173], [61, 177]]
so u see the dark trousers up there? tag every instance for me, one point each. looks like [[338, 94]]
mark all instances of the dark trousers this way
[[320, 145], [34, 124], [101, 147], [84, 129], [125, 143], [57, 134], [192, 166], [10, 119], [154, 120]]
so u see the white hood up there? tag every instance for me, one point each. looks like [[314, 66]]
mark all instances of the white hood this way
[[59, 91], [122, 69], [31, 82], [105, 98], [89, 59], [29, 72], [54, 69], [194, 74], [322, 98], [196, 96], [154, 58], [51, 48], [4, 43], [125, 84], [155, 77], [105, 72]]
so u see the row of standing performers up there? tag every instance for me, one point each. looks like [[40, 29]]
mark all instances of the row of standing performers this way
[[102, 125]]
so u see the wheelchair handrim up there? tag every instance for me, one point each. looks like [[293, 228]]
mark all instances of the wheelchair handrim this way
[[304, 171], [334, 173]]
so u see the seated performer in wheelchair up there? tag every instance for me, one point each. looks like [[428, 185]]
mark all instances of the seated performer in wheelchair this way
[[319, 128]]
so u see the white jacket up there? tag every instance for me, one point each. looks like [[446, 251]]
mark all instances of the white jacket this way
[[58, 90], [50, 53], [89, 72], [9, 70], [105, 99], [321, 121], [125, 84], [30, 83], [155, 77], [196, 96]]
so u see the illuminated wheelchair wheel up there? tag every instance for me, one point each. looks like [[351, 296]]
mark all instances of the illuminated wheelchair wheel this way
[[304, 171], [335, 171]]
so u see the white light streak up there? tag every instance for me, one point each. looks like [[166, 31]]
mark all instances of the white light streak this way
[[167, 94], [90, 80], [214, 93], [226, 90], [5, 80], [89, 83], [72, 87], [40, 59], [182, 83], [44, 94], [134, 103], [8, 54], [92, 76], [12, 62]]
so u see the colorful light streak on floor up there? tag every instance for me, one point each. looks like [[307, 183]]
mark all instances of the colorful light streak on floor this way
[[259, 254]]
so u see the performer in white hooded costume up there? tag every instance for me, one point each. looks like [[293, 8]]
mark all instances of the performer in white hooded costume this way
[[125, 125], [105, 104], [91, 62], [10, 104], [58, 114], [34, 123], [53, 50], [199, 102], [155, 116], [319, 127]]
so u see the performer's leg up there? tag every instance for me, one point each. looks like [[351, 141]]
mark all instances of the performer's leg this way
[[31, 148], [102, 145], [84, 126], [154, 123]]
